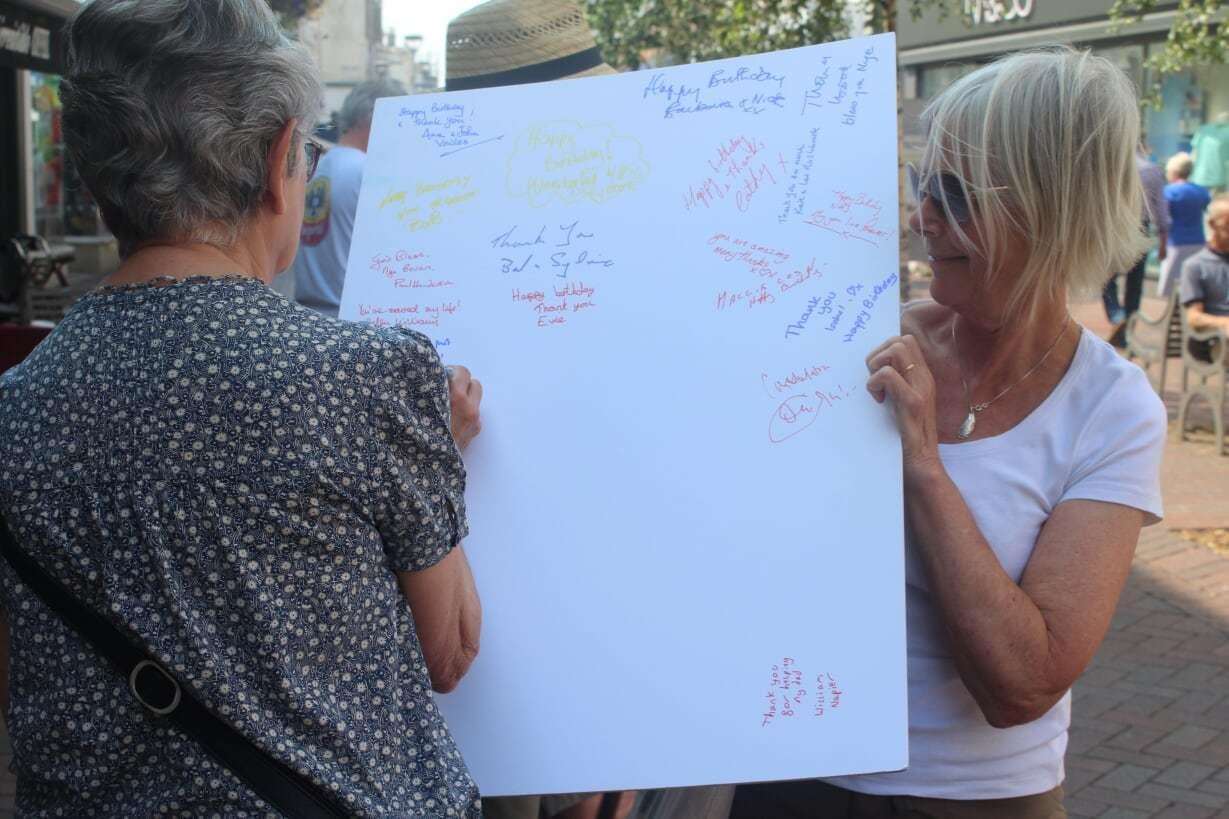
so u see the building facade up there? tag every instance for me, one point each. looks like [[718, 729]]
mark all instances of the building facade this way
[[345, 37], [935, 52], [33, 194]]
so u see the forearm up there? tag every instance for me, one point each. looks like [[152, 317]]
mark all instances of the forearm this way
[[1206, 321], [998, 636], [447, 616]]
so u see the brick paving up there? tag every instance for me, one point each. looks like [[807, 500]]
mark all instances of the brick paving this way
[[1150, 729]]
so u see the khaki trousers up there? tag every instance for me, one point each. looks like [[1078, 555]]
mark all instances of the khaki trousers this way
[[817, 800]]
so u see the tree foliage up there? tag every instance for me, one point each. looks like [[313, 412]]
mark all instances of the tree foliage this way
[[690, 31], [1199, 35]]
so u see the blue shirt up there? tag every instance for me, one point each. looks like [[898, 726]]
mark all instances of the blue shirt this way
[[319, 269], [1187, 202]]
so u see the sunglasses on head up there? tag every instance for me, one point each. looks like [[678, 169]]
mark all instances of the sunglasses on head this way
[[943, 188]]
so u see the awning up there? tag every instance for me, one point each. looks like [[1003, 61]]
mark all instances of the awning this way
[[30, 32]]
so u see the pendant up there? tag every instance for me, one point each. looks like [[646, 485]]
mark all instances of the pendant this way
[[966, 429]]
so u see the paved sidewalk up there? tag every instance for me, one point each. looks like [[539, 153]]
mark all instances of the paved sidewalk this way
[[1150, 727], [1150, 719]]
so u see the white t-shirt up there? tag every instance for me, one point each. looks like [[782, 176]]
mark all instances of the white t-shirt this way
[[1098, 436], [319, 268]]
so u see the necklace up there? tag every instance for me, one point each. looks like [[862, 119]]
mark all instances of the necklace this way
[[970, 420]]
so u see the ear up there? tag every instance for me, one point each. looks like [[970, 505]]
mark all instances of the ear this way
[[277, 185]]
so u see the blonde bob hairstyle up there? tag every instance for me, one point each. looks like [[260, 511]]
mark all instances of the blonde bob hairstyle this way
[[1043, 143]]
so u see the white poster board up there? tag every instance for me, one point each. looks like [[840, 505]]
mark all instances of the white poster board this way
[[685, 509]]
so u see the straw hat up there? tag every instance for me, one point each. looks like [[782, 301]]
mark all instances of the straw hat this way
[[510, 42]]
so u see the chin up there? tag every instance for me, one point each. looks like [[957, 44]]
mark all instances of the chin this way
[[949, 289]]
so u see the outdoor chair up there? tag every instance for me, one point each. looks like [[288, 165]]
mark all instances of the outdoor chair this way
[[28, 265], [1155, 341], [1205, 355], [39, 263]]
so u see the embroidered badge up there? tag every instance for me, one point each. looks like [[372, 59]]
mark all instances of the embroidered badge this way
[[316, 212]]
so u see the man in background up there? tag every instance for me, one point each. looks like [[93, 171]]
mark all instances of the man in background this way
[[1156, 214], [319, 269], [1205, 276]]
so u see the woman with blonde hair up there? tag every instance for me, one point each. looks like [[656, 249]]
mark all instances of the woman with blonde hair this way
[[1031, 449]]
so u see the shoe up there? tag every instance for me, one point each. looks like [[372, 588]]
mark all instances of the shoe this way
[[1118, 336]]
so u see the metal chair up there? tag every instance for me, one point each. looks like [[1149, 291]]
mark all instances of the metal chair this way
[[30, 264], [1155, 341], [1205, 354]]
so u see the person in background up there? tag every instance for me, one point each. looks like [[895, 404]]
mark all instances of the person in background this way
[[319, 269], [268, 500], [1031, 450], [1205, 276], [1155, 214], [1187, 203]]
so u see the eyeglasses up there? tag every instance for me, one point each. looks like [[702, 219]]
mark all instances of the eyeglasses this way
[[943, 188], [314, 150]]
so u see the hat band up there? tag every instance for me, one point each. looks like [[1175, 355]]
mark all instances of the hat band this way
[[555, 69]]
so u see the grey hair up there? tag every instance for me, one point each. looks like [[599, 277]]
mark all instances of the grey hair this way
[[1044, 144], [360, 103], [171, 108]]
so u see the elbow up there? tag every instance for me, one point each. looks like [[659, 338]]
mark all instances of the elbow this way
[[447, 673], [1009, 711]]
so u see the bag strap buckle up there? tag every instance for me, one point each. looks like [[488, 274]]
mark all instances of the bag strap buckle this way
[[166, 690]]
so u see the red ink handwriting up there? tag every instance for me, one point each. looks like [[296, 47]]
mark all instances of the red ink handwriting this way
[[787, 697], [779, 386], [851, 216]]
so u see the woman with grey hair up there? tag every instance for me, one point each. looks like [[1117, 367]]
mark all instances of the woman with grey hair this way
[[261, 504], [1031, 449]]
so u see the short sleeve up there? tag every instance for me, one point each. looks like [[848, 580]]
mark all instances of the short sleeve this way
[[421, 509], [1190, 286], [1155, 191], [1118, 457]]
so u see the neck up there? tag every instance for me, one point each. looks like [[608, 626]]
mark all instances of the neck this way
[[185, 260], [356, 138], [994, 356]]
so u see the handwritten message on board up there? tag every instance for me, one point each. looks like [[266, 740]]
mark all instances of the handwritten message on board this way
[[686, 518]]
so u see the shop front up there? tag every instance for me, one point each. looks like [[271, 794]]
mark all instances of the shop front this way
[[1194, 104], [39, 193]]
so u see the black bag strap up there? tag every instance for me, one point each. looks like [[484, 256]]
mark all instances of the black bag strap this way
[[164, 698]]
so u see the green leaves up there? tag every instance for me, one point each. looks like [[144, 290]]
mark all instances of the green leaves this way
[[1198, 36], [634, 31]]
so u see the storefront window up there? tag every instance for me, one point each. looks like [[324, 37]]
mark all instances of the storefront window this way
[[933, 79], [1129, 58], [1193, 103], [47, 145], [62, 205]]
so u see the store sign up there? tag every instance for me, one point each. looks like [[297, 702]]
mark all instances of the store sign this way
[[27, 40], [989, 12]]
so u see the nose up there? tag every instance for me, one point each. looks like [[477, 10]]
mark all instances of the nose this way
[[927, 219]]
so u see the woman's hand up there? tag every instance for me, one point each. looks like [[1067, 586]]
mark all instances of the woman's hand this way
[[899, 371], [465, 395]]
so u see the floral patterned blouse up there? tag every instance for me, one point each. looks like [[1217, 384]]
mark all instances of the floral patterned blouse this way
[[233, 479]]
